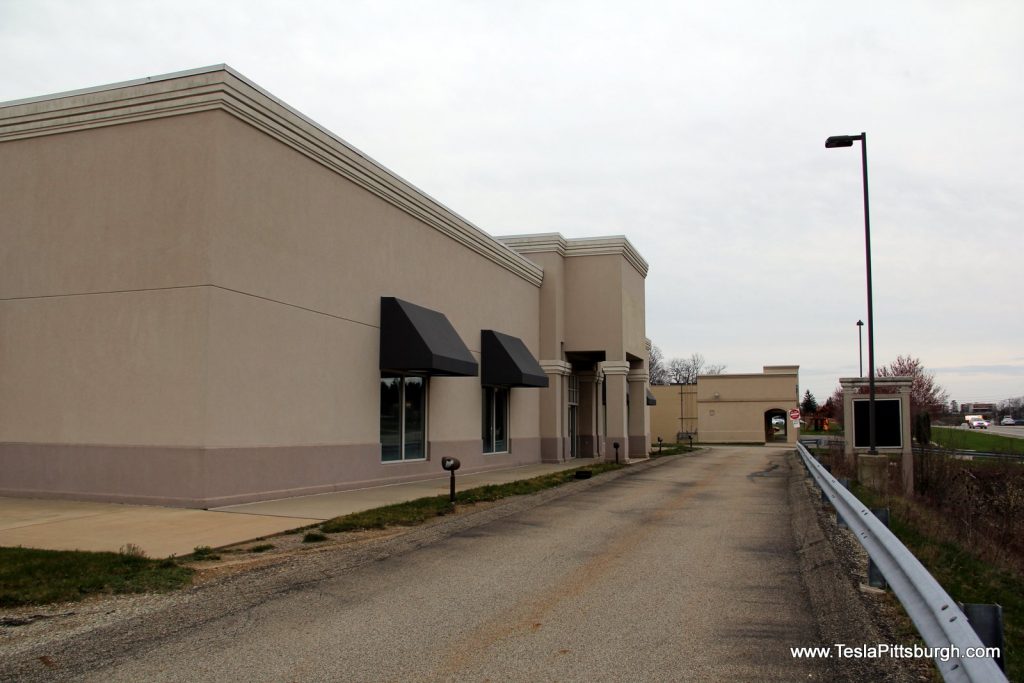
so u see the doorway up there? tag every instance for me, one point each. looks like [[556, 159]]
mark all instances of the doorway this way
[[776, 428], [573, 418]]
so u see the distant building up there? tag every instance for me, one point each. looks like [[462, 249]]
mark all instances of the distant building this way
[[977, 408], [736, 408]]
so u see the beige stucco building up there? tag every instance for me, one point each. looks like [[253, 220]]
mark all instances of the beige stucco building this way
[[206, 298], [738, 408]]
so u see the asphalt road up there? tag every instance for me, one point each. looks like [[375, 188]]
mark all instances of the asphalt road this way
[[1014, 431], [685, 571]]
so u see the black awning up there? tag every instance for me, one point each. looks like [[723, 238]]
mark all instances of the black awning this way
[[505, 361], [651, 401], [417, 339]]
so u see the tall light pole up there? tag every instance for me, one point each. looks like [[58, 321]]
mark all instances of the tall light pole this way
[[860, 345], [847, 141]]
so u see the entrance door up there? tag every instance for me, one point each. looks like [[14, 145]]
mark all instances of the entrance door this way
[[574, 407], [573, 432]]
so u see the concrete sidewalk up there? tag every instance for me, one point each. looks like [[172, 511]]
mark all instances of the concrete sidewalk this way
[[162, 531]]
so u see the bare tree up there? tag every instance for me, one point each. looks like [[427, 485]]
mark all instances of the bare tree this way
[[686, 370], [1014, 407], [656, 367]]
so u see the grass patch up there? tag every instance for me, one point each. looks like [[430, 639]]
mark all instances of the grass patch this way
[[964, 575], [975, 440], [420, 510], [261, 548], [204, 552], [313, 537], [30, 577]]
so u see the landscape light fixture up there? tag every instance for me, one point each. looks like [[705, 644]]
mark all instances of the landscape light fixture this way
[[847, 141]]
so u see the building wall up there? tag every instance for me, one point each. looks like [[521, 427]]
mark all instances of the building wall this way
[[676, 411], [594, 327], [192, 288], [190, 301], [732, 408]]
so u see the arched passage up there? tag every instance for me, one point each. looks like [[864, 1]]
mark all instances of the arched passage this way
[[775, 426]]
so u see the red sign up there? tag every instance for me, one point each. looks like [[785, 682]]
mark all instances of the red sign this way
[[794, 414]]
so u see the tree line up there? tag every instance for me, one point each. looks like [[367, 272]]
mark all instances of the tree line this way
[[680, 370]]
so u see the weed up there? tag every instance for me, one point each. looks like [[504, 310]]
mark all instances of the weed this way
[[313, 537], [261, 548], [204, 552], [132, 550], [962, 571]]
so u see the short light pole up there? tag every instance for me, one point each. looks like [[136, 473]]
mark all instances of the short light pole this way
[[450, 465], [847, 141], [860, 345]]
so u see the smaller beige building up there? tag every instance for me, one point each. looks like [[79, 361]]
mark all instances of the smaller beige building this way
[[739, 408]]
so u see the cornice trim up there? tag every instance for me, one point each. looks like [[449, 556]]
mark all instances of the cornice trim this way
[[612, 245], [221, 88], [614, 367], [555, 367]]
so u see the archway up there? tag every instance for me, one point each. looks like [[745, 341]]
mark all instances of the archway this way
[[776, 428]]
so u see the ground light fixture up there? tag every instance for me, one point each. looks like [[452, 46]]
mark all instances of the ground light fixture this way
[[847, 141], [450, 465]]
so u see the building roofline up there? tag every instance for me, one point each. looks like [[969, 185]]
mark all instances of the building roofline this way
[[613, 245], [219, 87]]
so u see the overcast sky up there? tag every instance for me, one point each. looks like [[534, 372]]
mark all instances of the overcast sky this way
[[694, 128]]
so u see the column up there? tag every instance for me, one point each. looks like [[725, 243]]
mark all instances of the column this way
[[908, 440], [601, 447], [639, 434], [553, 444], [615, 390], [849, 390]]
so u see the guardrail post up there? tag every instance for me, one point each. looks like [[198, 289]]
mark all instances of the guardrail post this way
[[987, 622], [875, 577]]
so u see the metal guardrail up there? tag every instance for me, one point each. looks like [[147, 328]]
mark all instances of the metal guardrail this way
[[938, 618], [984, 455]]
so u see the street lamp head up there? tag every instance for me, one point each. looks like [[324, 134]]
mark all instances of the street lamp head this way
[[842, 140], [860, 323]]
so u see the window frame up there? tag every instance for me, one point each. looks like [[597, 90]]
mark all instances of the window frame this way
[[489, 428], [402, 422]]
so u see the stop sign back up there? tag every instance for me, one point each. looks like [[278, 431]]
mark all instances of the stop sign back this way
[[794, 414]]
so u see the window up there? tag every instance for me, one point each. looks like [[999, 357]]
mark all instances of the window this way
[[403, 418], [495, 419]]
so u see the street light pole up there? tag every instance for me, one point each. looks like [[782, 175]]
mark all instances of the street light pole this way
[[860, 345], [847, 141]]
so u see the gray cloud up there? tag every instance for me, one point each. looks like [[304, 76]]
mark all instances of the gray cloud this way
[[697, 129]]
